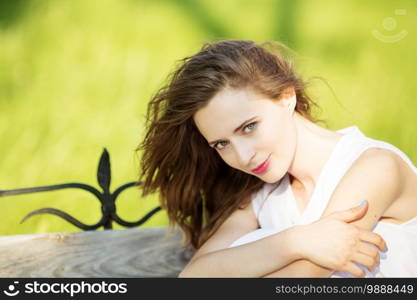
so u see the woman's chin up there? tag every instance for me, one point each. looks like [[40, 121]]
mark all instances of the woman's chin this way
[[271, 177]]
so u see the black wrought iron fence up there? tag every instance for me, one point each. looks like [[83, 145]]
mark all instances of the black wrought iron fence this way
[[106, 198]]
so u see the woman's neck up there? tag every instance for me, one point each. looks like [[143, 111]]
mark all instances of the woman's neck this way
[[314, 147]]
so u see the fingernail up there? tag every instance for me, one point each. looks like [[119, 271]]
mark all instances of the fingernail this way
[[385, 250], [362, 203]]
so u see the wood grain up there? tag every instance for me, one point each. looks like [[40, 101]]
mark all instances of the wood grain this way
[[137, 252]]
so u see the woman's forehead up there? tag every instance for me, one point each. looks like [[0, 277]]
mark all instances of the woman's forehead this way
[[227, 110], [230, 103]]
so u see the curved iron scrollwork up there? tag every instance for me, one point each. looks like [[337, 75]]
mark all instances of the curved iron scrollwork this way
[[106, 198]]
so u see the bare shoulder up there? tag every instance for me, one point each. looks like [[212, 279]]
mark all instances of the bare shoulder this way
[[239, 223], [388, 170], [379, 159], [376, 169], [374, 176], [400, 180], [379, 167]]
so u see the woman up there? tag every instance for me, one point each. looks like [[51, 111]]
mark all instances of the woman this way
[[258, 188]]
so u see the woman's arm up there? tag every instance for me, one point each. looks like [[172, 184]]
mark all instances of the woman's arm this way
[[375, 176], [280, 249], [215, 259], [249, 260]]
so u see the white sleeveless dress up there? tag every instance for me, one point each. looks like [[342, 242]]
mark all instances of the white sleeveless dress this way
[[276, 209]]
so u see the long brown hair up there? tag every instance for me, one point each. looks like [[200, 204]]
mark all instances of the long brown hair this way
[[197, 188]]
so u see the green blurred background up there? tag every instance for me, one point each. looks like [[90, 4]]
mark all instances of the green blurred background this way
[[76, 76]]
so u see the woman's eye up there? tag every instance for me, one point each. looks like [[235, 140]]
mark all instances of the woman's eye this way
[[250, 126], [215, 146]]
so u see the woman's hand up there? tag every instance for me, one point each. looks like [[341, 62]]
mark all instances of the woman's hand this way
[[335, 244]]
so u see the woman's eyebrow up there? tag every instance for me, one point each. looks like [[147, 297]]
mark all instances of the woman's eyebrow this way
[[234, 131]]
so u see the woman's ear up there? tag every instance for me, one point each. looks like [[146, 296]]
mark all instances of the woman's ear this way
[[293, 103], [289, 99]]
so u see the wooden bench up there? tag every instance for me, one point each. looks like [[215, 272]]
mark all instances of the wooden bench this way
[[135, 252]]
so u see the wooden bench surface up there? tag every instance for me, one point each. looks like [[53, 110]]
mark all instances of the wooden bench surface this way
[[137, 252]]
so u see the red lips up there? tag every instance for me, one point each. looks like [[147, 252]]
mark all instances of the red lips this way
[[262, 168]]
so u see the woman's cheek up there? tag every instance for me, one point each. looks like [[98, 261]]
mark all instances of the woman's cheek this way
[[266, 139], [228, 159]]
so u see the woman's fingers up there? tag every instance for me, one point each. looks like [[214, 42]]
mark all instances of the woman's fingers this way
[[369, 250], [353, 269], [374, 238], [365, 260]]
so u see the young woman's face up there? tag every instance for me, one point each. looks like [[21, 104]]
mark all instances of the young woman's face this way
[[267, 133]]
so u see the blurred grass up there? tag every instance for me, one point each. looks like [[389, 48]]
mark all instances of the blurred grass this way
[[75, 76]]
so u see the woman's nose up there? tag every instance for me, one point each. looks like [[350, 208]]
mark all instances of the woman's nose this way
[[244, 154]]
